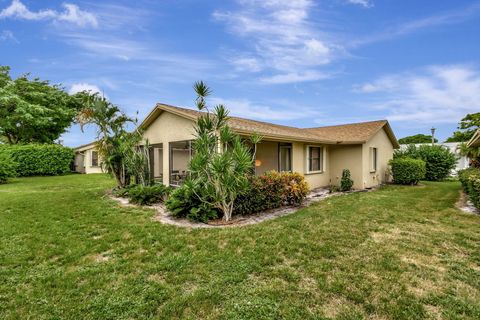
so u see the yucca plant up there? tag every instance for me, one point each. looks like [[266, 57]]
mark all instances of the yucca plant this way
[[222, 162]]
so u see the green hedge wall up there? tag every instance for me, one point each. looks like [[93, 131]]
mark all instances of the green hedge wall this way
[[39, 159], [407, 170], [470, 179]]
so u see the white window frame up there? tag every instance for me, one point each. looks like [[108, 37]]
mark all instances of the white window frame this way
[[373, 159], [322, 159]]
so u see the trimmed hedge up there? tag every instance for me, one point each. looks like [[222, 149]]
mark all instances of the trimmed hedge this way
[[439, 160], [272, 190], [7, 167], [40, 159], [470, 179], [143, 195], [407, 170]]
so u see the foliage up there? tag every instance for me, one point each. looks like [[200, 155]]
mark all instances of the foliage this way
[[122, 155], [40, 159], [470, 179], [184, 202], [439, 161], [346, 182], [407, 170], [472, 153], [222, 161], [33, 110], [7, 167], [147, 195], [417, 138], [271, 190], [467, 127]]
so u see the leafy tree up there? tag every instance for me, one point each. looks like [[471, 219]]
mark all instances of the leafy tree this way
[[32, 110], [121, 151], [222, 161], [467, 127], [418, 138]]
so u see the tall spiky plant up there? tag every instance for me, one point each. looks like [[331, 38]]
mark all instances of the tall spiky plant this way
[[222, 161], [472, 153]]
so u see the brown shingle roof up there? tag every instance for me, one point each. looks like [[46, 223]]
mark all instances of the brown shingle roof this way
[[355, 133]]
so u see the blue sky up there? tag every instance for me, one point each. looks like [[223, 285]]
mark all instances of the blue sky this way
[[295, 62]]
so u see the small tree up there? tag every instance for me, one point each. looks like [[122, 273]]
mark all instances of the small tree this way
[[222, 161], [122, 155], [466, 128], [346, 183]]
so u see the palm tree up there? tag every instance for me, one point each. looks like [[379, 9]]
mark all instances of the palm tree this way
[[472, 153]]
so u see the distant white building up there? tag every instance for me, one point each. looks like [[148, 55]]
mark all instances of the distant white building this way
[[462, 162]]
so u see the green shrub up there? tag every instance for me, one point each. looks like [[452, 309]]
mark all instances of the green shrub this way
[[407, 170], [147, 195], [7, 167], [470, 179], [40, 159], [346, 183], [439, 161], [271, 190], [184, 202]]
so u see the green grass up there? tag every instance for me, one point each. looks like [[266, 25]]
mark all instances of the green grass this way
[[67, 252]]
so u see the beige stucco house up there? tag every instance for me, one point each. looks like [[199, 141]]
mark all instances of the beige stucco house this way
[[320, 154], [87, 159]]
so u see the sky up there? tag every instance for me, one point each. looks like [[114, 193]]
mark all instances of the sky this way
[[300, 63]]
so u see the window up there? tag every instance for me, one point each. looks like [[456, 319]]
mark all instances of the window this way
[[285, 157], [94, 158], [315, 157], [373, 159]]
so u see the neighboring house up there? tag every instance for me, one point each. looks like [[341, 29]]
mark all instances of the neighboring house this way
[[475, 141], [87, 159], [320, 154], [462, 161]]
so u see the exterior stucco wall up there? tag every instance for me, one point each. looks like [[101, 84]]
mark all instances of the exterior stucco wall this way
[[168, 128], [346, 157], [85, 166], [314, 179], [384, 154]]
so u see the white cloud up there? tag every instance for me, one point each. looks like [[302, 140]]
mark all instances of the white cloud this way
[[71, 14], [294, 77], [440, 19], [8, 35], [281, 37], [83, 86], [436, 94], [363, 3], [283, 112]]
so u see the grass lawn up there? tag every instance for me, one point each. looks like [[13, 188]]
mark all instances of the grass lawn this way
[[396, 253]]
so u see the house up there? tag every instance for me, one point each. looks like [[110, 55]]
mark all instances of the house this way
[[87, 159], [320, 154], [462, 161], [475, 140]]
